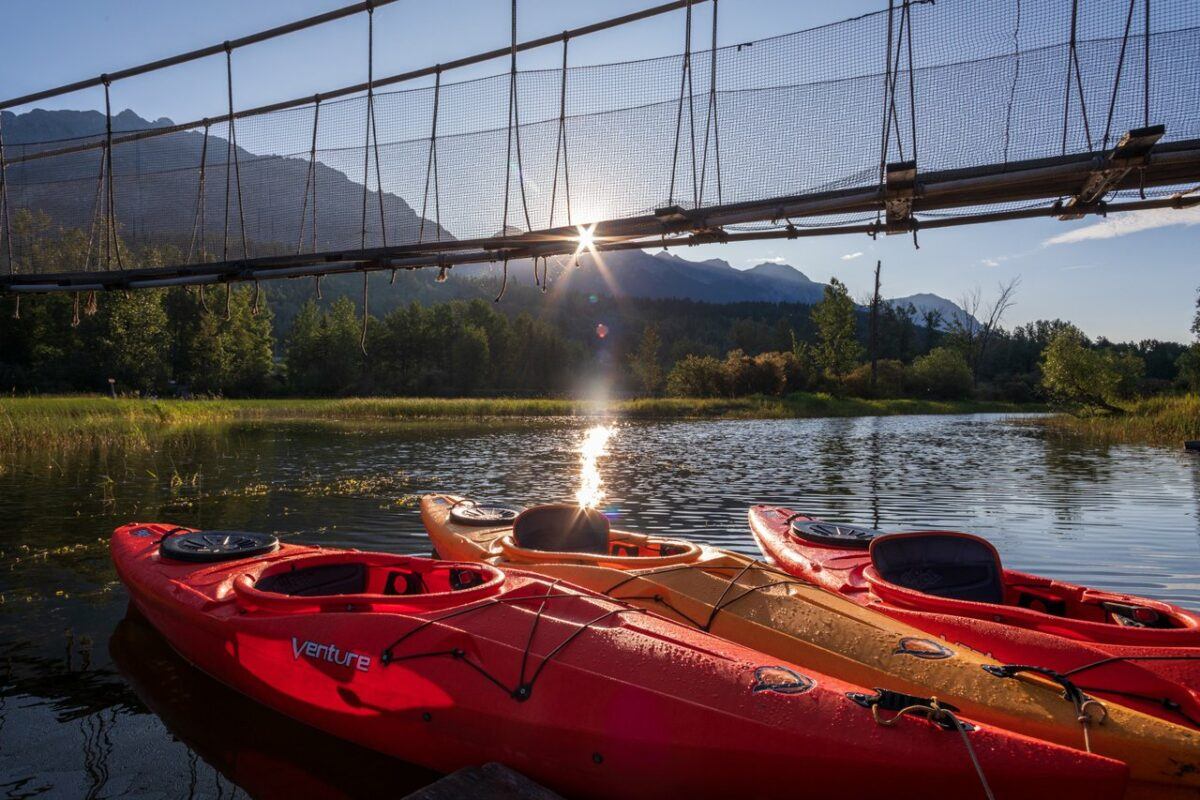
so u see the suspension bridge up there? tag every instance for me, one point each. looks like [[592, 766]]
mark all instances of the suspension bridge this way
[[913, 118]]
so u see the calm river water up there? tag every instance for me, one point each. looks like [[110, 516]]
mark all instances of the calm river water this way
[[93, 704]]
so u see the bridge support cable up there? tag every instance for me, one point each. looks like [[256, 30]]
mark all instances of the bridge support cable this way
[[1074, 76], [514, 134], [345, 91], [796, 116], [431, 172], [560, 142], [372, 144], [710, 118], [5, 222], [1168, 165]]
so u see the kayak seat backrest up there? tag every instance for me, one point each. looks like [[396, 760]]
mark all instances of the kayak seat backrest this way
[[562, 529], [317, 581], [951, 565]]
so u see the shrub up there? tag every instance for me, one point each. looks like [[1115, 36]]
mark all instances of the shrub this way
[[942, 373], [697, 376], [889, 379]]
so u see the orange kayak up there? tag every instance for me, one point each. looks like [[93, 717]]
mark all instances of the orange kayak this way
[[756, 605]]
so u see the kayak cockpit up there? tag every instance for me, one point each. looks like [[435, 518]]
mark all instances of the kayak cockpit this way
[[563, 532], [360, 580], [958, 573]]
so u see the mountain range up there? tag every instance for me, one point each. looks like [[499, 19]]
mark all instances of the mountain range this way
[[162, 206], [664, 275]]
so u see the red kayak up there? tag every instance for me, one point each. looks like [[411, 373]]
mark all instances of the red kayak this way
[[448, 665], [1142, 653]]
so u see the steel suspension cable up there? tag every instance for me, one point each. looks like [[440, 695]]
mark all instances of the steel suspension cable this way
[[198, 219], [560, 142], [912, 97], [111, 241], [1073, 69], [1012, 91], [685, 68], [1146, 70], [514, 133], [5, 225], [310, 183], [1112, 103], [886, 121], [431, 169], [912, 79], [370, 129], [231, 155], [711, 116], [95, 230]]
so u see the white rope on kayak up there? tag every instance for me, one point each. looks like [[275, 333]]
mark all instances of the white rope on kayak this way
[[938, 714], [1085, 720]]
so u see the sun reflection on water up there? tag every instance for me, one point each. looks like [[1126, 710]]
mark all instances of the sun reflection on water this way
[[594, 445]]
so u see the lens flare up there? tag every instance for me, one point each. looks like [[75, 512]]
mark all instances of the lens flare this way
[[587, 239], [594, 445]]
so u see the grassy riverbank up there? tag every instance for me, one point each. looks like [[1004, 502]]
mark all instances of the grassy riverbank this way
[[1155, 420], [31, 422]]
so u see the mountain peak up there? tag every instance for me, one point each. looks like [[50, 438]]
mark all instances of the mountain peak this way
[[779, 271]]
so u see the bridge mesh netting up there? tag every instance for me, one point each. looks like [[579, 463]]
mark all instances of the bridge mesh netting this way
[[991, 83]]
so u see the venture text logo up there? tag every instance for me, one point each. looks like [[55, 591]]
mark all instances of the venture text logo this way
[[331, 653]]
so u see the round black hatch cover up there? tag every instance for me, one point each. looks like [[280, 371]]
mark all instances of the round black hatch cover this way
[[217, 545], [835, 534], [483, 514]]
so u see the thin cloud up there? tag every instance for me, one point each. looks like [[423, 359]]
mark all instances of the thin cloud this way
[[1127, 223], [773, 260], [852, 256], [1078, 266], [991, 262]]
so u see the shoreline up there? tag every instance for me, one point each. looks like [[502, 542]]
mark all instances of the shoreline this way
[[82, 420]]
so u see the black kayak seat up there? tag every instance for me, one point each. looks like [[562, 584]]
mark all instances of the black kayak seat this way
[[562, 528], [956, 566]]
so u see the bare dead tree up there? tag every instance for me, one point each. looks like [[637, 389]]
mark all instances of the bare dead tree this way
[[979, 324], [874, 329]]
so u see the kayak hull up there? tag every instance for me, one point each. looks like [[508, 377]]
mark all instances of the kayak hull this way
[[586, 695], [1156, 671], [758, 606]]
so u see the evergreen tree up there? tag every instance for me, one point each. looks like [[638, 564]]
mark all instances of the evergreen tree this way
[[837, 349], [647, 369]]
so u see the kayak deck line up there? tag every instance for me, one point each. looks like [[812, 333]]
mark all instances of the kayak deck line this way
[[523, 689]]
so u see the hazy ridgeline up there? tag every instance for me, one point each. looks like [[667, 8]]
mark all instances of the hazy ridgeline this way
[[430, 339]]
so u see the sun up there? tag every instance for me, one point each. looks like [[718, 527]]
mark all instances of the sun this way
[[587, 238]]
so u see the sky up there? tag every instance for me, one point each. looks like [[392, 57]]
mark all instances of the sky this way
[[1131, 276]]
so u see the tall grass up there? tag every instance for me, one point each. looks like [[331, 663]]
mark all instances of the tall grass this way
[[55, 422], [1155, 420]]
